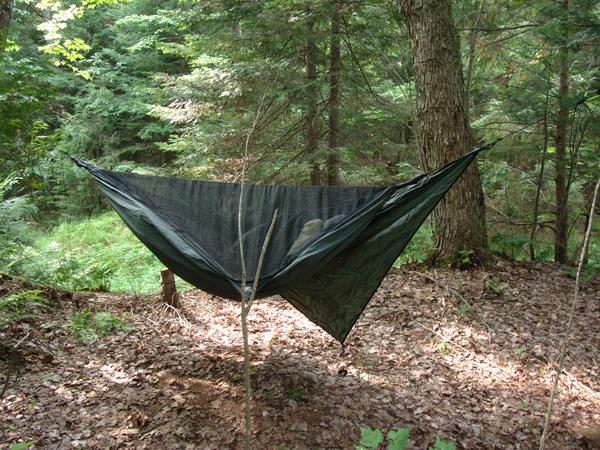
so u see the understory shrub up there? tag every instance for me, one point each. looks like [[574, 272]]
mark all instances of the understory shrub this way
[[96, 254], [418, 248]]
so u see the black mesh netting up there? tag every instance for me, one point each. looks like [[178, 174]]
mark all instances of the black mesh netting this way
[[330, 247]]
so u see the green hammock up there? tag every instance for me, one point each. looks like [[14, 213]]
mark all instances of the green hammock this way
[[329, 251]]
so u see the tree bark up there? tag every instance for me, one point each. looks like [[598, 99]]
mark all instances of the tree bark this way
[[6, 8], [560, 160], [168, 288], [335, 68], [312, 113], [443, 129]]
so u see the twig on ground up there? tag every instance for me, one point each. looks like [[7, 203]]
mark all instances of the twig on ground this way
[[21, 340], [583, 386]]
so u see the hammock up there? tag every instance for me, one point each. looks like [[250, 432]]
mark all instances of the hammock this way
[[329, 250]]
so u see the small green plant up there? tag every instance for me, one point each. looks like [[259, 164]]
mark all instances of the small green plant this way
[[298, 393], [19, 306], [398, 440], [442, 347], [522, 404], [90, 326], [366, 361], [459, 284], [21, 445], [494, 284], [466, 258], [440, 444], [369, 438], [463, 309], [520, 350]]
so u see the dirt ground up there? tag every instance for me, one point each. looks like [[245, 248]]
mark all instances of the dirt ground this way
[[464, 355]]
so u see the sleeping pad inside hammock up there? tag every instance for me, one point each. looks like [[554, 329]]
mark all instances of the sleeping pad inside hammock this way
[[329, 251]]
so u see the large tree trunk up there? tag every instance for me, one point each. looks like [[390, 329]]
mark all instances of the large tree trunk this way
[[6, 7], [444, 133], [312, 112], [335, 68], [560, 174]]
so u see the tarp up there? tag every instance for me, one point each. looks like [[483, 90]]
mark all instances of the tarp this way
[[329, 251]]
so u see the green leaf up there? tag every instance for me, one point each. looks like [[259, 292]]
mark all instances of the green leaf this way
[[369, 438], [21, 445], [398, 440], [440, 444]]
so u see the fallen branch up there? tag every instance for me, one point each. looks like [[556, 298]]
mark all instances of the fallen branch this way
[[583, 386]]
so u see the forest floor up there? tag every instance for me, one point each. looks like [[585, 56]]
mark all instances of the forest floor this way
[[478, 375]]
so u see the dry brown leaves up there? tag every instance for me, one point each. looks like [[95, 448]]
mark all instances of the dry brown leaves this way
[[479, 376]]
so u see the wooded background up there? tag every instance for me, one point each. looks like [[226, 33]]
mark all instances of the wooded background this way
[[350, 92]]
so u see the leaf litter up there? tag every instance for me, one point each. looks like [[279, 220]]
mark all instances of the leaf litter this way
[[478, 375]]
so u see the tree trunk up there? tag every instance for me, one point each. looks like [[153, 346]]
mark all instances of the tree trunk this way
[[471, 59], [443, 130], [540, 178], [335, 68], [312, 113], [6, 7], [560, 171], [168, 288]]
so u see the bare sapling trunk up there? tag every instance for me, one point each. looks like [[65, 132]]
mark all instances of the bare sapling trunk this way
[[569, 327], [168, 288], [246, 300], [246, 304]]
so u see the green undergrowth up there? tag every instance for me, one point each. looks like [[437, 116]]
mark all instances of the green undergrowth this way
[[97, 254], [514, 245], [418, 248], [101, 254], [90, 326], [21, 306]]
